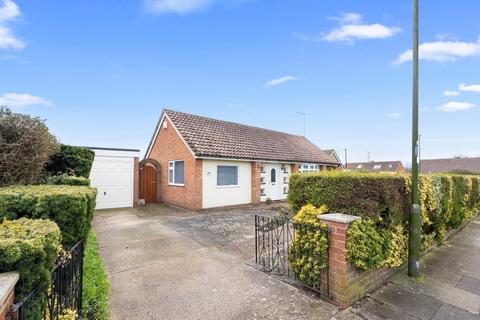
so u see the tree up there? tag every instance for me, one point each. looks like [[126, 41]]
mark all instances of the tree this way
[[25, 147]]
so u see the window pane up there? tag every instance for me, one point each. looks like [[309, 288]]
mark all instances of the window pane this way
[[227, 176], [273, 175], [170, 176], [179, 172]]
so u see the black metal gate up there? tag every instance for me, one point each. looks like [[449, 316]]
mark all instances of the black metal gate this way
[[273, 247], [63, 295]]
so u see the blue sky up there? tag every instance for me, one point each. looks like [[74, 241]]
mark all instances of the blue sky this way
[[101, 71]]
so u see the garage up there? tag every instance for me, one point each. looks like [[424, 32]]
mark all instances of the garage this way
[[115, 175]]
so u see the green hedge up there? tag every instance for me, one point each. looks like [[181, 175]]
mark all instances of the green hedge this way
[[378, 197], [95, 282], [31, 248], [67, 180], [383, 202], [71, 160], [70, 207]]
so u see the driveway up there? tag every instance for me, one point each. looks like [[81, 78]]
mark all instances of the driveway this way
[[167, 263]]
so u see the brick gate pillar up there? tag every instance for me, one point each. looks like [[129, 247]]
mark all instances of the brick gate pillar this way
[[341, 271], [8, 280]]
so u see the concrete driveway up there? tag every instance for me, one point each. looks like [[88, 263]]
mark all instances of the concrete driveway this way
[[167, 263]]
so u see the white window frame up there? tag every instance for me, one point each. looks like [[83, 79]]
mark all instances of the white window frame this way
[[229, 185], [308, 168], [172, 168]]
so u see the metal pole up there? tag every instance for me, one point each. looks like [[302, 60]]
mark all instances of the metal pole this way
[[414, 239]]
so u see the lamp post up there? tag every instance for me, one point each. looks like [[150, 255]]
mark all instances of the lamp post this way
[[414, 236]]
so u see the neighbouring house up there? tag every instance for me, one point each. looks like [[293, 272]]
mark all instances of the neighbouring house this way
[[197, 163], [457, 164], [376, 166]]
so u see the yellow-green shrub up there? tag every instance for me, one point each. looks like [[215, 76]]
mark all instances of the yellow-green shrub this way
[[308, 252], [364, 247], [395, 247], [29, 247], [71, 207]]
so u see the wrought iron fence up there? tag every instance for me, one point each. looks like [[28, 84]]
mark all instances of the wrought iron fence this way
[[274, 242], [64, 293]]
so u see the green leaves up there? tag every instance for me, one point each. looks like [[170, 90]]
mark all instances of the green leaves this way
[[71, 160]]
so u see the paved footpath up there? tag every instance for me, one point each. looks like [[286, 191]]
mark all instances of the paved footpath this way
[[449, 288]]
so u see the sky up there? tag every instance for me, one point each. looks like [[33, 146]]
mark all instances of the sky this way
[[100, 72]]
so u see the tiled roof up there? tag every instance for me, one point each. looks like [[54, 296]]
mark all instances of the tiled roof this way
[[208, 137], [448, 165], [374, 166]]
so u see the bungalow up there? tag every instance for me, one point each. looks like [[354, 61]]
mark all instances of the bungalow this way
[[376, 166], [457, 164], [197, 163]]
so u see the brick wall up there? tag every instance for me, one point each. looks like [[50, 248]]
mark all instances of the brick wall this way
[[294, 168], [255, 182], [347, 285], [169, 146]]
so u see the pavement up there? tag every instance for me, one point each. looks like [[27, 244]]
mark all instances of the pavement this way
[[167, 263], [448, 289]]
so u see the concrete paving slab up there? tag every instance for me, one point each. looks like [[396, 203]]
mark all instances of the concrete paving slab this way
[[471, 285], [448, 312], [374, 310], [413, 304]]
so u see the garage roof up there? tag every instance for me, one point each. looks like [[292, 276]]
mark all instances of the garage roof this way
[[211, 138]]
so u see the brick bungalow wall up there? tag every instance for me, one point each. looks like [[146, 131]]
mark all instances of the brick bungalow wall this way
[[255, 182], [169, 146]]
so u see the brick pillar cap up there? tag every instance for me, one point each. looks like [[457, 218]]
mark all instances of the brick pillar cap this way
[[338, 217], [8, 280]]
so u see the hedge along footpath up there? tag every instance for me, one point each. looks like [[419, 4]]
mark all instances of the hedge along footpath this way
[[71, 207], [383, 202], [31, 248]]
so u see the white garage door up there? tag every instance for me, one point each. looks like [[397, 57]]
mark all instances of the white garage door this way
[[112, 175]]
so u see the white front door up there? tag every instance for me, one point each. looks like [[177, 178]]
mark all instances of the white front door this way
[[274, 185]]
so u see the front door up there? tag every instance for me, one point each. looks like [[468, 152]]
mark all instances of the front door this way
[[274, 183]]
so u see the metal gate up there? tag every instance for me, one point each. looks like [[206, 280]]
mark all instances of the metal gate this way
[[274, 239]]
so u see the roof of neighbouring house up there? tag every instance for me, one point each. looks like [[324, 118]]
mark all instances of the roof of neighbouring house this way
[[374, 166], [449, 165], [211, 138]]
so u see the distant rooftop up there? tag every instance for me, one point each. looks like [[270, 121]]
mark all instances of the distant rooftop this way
[[448, 165], [375, 166]]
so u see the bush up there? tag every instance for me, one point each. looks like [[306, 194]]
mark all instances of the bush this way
[[395, 246], [365, 246], [380, 197], [308, 252], [67, 180], [70, 207], [31, 248], [26, 145], [71, 160], [95, 282]]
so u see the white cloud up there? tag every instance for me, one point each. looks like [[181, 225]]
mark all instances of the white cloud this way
[[18, 100], [451, 93], [351, 29], [470, 88], [276, 82], [393, 115], [442, 51], [176, 6], [454, 106], [8, 12]]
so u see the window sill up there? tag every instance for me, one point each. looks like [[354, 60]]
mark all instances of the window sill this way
[[226, 187], [176, 185]]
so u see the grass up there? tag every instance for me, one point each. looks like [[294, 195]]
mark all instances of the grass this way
[[95, 282]]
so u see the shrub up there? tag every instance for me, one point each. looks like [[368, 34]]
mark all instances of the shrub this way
[[71, 160], [26, 145], [70, 207], [395, 246], [67, 180], [308, 252], [364, 247], [29, 247], [380, 197], [95, 282]]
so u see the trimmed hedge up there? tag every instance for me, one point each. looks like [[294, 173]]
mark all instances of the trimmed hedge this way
[[95, 282], [383, 202], [31, 248], [378, 197], [71, 160], [67, 180], [70, 207]]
